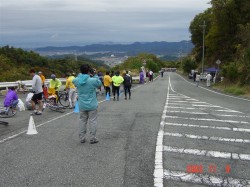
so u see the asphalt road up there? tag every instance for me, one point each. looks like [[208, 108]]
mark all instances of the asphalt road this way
[[203, 140]]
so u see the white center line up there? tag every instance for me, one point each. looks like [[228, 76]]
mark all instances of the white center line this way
[[204, 179], [214, 138], [214, 154]]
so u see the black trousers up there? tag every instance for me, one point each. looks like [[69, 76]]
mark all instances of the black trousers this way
[[127, 90], [116, 91], [107, 88]]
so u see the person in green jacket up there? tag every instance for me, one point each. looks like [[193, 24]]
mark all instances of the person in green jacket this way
[[117, 81], [87, 102]]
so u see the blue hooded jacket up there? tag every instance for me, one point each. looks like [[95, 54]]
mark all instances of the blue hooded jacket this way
[[86, 87]]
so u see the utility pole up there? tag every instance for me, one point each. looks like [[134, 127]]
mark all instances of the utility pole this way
[[203, 50]]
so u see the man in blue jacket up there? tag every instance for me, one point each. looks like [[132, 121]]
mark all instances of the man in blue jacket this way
[[87, 101]]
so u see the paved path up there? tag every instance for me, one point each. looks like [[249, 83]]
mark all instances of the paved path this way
[[203, 140]]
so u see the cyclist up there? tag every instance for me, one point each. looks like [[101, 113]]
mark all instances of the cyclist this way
[[56, 84], [72, 90]]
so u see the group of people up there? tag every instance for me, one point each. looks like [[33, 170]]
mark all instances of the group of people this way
[[85, 84], [197, 78], [146, 77]]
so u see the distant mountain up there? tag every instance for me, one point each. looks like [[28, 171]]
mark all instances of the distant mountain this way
[[158, 48]]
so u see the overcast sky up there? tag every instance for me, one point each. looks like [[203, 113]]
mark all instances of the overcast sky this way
[[35, 23]]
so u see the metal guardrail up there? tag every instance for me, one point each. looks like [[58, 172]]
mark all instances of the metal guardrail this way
[[28, 83]]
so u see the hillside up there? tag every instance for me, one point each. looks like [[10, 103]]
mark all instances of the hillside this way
[[16, 62]]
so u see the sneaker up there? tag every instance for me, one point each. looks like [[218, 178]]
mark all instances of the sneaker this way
[[93, 141], [83, 140], [34, 112], [125, 98]]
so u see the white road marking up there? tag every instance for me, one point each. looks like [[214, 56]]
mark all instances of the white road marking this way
[[205, 179], [178, 102], [184, 112], [158, 170], [203, 113], [228, 115], [209, 127], [214, 138], [214, 154], [209, 106], [206, 119], [233, 111], [178, 107]]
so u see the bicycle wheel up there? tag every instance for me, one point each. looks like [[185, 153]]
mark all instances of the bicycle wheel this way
[[64, 99]]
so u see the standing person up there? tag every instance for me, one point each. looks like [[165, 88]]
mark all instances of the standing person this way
[[117, 81], [11, 98], [42, 77], [38, 93], [162, 72], [194, 76], [127, 85], [141, 77], [208, 77], [197, 79], [71, 90], [100, 75], [87, 102], [56, 84], [151, 76], [107, 81], [111, 75]]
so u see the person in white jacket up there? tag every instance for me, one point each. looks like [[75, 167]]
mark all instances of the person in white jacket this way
[[208, 77], [197, 79]]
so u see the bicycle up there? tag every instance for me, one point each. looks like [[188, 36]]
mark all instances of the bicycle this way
[[64, 98], [7, 112], [51, 101]]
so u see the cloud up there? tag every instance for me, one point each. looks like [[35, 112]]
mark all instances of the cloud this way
[[82, 21]]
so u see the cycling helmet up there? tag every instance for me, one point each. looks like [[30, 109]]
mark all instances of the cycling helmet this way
[[53, 76]]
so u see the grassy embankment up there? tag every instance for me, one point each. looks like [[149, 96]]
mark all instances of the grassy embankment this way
[[233, 89]]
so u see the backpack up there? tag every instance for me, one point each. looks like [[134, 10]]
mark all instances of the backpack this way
[[127, 80]]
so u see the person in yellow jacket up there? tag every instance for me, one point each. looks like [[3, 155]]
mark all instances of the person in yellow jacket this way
[[71, 90], [117, 81], [42, 77], [107, 80], [55, 83]]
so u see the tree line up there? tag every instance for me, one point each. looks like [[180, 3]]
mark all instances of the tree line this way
[[227, 38], [16, 62]]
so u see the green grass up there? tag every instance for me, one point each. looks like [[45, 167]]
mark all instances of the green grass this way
[[235, 90]]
